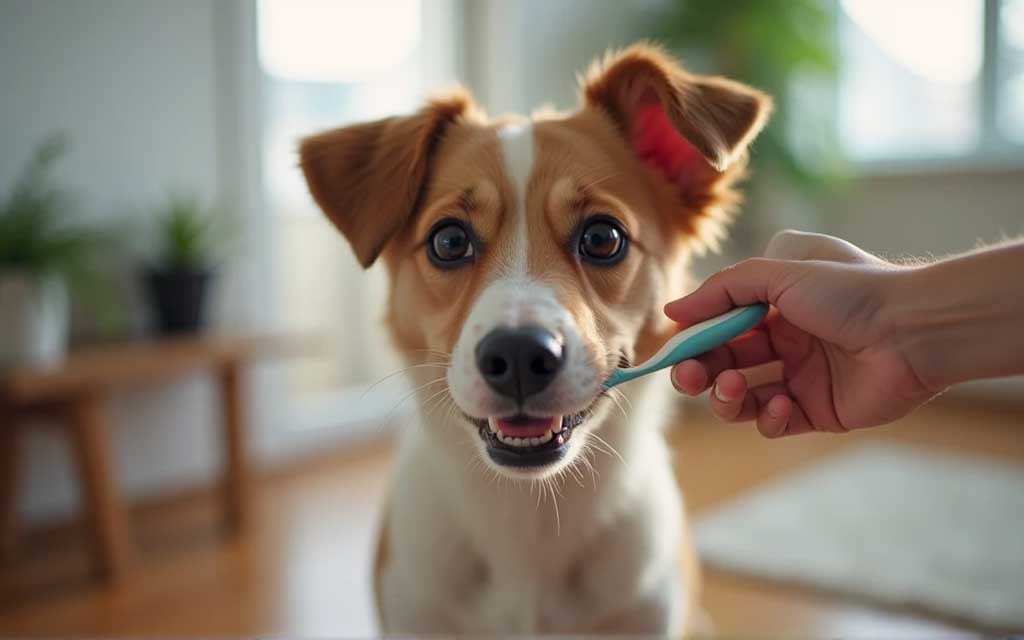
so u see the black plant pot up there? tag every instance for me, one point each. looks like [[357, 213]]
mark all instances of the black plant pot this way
[[178, 297]]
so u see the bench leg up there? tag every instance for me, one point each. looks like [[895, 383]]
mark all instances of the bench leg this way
[[236, 476], [8, 486], [92, 450]]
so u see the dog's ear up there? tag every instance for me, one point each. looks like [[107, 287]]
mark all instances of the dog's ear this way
[[368, 178], [692, 129]]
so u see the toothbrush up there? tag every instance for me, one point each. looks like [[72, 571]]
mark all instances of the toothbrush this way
[[692, 342]]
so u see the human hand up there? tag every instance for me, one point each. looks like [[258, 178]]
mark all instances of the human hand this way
[[831, 324]]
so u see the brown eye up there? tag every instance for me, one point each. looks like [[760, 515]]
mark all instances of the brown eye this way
[[449, 244], [603, 241]]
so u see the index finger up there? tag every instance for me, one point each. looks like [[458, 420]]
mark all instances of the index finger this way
[[744, 283]]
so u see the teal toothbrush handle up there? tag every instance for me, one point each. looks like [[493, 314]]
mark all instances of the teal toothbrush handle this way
[[694, 341]]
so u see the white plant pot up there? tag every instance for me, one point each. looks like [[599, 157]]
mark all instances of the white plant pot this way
[[34, 319]]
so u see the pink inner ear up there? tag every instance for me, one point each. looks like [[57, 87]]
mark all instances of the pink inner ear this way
[[658, 143]]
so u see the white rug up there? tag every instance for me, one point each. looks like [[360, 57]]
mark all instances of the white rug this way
[[893, 524]]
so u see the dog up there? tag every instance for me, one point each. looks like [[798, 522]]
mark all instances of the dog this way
[[530, 257]]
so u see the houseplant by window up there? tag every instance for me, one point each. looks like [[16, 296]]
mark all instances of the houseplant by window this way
[[42, 253], [189, 235]]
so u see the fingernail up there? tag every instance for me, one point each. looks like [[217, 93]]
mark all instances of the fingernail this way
[[675, 383], [718, 394], [773, 410]]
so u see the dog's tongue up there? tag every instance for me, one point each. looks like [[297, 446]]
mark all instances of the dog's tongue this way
[[525, 427]]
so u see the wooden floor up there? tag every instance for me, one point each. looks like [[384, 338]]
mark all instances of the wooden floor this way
[[303, 571]]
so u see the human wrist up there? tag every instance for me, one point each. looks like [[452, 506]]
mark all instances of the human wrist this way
[[906, 326], [954, 321]]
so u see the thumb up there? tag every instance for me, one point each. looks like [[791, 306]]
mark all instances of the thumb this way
[[748, 282], [801, 245]]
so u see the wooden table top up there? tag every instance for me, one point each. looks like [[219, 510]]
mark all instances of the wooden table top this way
[[129, 363]]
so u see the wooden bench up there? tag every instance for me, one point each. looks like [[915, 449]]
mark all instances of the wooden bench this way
[[74, 396]]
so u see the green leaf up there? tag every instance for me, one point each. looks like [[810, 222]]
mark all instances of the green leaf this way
[[191, 235], [38, 233], [767, 44]]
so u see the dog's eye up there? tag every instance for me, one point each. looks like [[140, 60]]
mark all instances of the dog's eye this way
[[449, 244], [603, 241]]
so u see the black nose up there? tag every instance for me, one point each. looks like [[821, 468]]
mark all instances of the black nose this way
[[518, 363]]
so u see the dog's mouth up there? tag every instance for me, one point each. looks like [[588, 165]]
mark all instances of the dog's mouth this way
[[523, 440]]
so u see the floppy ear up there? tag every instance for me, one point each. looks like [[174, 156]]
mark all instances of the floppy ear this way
[[367, 178], [694, 130]]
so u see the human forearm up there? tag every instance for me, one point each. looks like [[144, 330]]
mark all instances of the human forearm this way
[[962, 318]]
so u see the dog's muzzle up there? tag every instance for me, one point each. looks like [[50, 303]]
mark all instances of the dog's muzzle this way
[[522, 376]]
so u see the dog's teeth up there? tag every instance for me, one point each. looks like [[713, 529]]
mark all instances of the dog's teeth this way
[[530, 441], [560, 439]]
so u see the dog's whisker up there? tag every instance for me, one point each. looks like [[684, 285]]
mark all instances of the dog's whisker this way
[[492, 476], [610, 449], [615, 398], [401, 401], [621, 395], [597, 448], [442, 354], [585, 459], [450, 413], [399, 372], [443, 393], [602, 446], [576, 474], [594, 183], [554, 503]]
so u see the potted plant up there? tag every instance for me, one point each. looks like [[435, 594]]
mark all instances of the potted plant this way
[[178, 283], [42, 253]]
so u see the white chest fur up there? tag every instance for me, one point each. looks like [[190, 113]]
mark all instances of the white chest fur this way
[[472, 552]]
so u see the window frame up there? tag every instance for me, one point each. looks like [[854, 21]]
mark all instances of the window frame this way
[[993, 152]]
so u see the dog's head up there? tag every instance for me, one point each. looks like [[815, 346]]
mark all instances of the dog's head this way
[[537, 253]]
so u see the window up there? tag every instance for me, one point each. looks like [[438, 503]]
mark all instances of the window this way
[[931, 79], [325, 64], [1011, 67]]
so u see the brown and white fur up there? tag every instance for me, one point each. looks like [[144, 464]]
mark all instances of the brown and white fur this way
[[594, 541]]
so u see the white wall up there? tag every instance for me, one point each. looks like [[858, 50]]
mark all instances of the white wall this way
[[136, 83], [525, 54], [133, 81], [933, 213]]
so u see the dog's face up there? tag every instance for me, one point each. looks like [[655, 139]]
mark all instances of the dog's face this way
[[536, 254]]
